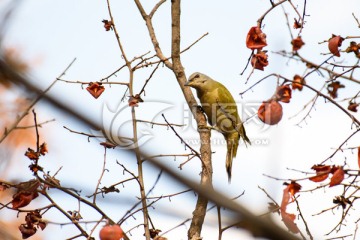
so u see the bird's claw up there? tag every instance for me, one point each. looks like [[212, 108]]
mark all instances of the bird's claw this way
[[200, 108], [201, 127]]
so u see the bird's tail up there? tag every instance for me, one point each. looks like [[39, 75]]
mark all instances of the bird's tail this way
[[232, 145]]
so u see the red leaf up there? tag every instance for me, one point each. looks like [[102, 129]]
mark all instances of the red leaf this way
[[259, 60], [294, 188], [322, 173], [43, 149], [95, 89], [319, 177], [27, 191], [285, 199], [108, 25], [297, 43], [321, 168], [134, 100], [27, 231], [31, 154], [283, 93], [255, 39], [338, 177], [289, 220], [23, 198], [353, 106], [297, 24], [298, 82], [334, 44], [333, 88]]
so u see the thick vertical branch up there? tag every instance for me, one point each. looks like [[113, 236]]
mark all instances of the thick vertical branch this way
[[205, 149], [176, 66]]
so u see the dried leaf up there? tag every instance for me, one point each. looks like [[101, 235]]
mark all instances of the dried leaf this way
[[319, 177], [154, 232], [27, 191], [298, 82], [35, 218], [333, 88], [43, 149], [321, 168], [31, 154], [294, 188], [297, 24], [255, 38], [134, 100], [259, 60], [354, 47], [322, 173], [23, 198], [95, 89], [297, 43], [285, 199], [338, 177], [353, 106], [334, 44], [27, 231], [342, 201], [289, 220], [107, 24], [283, 93]]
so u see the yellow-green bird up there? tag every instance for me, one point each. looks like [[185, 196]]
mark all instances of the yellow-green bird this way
[[221, 111]]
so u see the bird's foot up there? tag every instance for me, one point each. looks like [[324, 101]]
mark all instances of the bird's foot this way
[[206, 127], [200, 108]]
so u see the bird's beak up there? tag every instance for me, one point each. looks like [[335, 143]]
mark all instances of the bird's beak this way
[[187, 84]]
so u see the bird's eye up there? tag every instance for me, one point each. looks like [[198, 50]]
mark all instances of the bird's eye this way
[[197, 76]]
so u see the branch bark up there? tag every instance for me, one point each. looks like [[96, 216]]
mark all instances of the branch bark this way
[[205, 148]]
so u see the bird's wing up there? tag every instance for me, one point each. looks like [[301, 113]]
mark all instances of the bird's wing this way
[[227, 103]]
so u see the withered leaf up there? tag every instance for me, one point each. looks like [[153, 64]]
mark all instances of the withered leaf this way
[[338, 177], [255, 38]]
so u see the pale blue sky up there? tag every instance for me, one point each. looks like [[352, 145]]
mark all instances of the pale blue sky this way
[[54, 32]]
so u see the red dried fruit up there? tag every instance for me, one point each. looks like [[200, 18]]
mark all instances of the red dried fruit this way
[[270, 112], [111, 232]]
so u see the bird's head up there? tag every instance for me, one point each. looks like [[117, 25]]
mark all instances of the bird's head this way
[[198, 81]]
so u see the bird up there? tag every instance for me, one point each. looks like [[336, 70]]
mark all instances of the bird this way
[[221, 111]]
